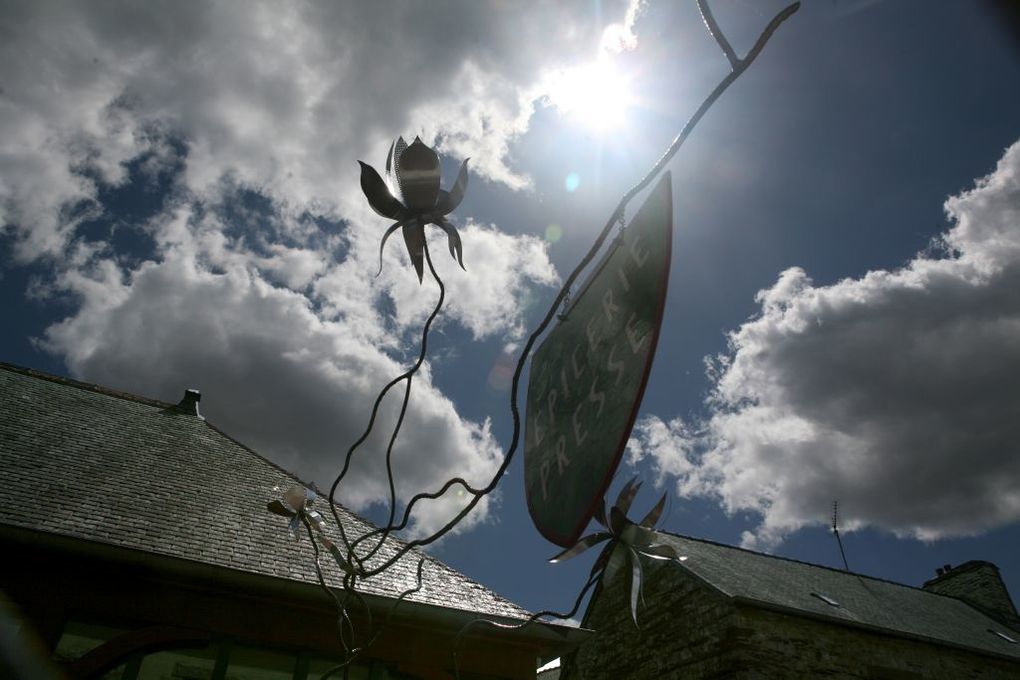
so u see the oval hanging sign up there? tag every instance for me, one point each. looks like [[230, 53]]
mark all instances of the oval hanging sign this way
[[589, 375]]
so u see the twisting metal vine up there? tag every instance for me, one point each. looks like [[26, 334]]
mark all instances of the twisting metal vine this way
[[413, 172]]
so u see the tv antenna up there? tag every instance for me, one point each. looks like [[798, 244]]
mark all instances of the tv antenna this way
[[835, 530]]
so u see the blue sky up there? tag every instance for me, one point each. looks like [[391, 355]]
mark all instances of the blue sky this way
[[180, 208]]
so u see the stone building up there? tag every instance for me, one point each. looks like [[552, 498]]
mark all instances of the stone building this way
[[137, 544], [725, 612]]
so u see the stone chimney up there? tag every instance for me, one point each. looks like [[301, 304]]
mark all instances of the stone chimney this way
[[189, 404], [979, 584]]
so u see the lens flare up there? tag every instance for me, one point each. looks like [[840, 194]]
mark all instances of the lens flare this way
[[553, 233], [572, 181]]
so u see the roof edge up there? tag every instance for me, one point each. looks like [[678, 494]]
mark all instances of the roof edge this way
[[891, 632]]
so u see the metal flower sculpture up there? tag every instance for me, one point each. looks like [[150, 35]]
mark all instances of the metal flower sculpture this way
[[297, 506], [627, 542], [411, 196]]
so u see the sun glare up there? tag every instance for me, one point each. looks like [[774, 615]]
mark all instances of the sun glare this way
[[596, 95]]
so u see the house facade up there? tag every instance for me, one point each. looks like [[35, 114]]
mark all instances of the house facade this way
[[725, 612], [137, 544]]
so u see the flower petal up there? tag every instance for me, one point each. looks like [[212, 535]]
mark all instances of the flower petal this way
[[616, 560], [659, 551], [382, 244], [414, 239], [635, 583], [617, 521], [627, 494], [654, 514], [277, 508], [393, 157], [448, 201], [378, 194], [418, 175], [456, 249], [600, 513], [579, 547]]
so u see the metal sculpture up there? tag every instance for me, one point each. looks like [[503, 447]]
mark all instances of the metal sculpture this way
[[411, 196], [627, 542]]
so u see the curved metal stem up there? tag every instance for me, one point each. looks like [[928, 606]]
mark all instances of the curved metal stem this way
[[592, 580], [740, 66]]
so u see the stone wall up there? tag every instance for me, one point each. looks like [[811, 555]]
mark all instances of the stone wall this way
[[682, 633], [777, 645], [979, 584], [691, 631]]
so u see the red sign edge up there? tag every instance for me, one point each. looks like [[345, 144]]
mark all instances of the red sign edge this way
[[571, 539]]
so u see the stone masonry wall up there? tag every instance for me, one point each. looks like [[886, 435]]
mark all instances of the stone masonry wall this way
[[980, 584], [776, 645], [690, 631], [682, 630]]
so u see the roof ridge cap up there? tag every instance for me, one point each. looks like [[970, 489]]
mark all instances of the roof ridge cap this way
[[796, 561], [83, 385]]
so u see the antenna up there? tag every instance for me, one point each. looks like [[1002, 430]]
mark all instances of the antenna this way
[[835, 530]]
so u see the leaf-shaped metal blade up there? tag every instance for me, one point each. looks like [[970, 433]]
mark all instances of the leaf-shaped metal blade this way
[[393, 157], [617, 521], [449, 200], [579, 547], [602, 559], [278, 508], [616, 560], [637, 536], [378, 194], [659, 551], [600, 513], [382, 244], [456, 249], [654, 514], [418, 174], [627, 494], [414, 239], [635, 582]]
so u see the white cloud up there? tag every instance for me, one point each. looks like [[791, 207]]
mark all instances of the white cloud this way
[[277, 322], [894, 393], [274, 373], [281, 97]]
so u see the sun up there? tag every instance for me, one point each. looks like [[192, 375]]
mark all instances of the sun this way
[[596, 95]]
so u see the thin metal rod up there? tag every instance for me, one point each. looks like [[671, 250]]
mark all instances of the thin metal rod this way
[[678, 141], [592, 580], [407, 375]]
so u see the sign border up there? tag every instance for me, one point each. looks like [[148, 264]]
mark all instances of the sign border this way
[[570, 539]]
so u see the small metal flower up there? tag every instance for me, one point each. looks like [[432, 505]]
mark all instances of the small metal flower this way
[[411, 196], [297, 505], [627, 542]]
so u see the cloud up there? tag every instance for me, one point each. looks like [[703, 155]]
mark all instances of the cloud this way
[[894, 393], [275, 373], [282, 98], [243, 120]]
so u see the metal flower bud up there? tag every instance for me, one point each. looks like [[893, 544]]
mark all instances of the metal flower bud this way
[[410, 194]]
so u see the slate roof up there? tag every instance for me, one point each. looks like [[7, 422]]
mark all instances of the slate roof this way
[[89, 463], [785, 584]]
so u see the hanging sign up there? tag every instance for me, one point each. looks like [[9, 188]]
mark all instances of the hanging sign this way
[[589, 375]]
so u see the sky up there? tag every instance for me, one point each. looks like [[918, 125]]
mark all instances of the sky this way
[[180, 208]]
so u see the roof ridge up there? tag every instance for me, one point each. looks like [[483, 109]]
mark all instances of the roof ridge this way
[[82, 385], [357, 517], [128, 396], [796, 561]]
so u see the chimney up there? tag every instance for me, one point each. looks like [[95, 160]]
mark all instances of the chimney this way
[[189, 404], [979, 584]]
